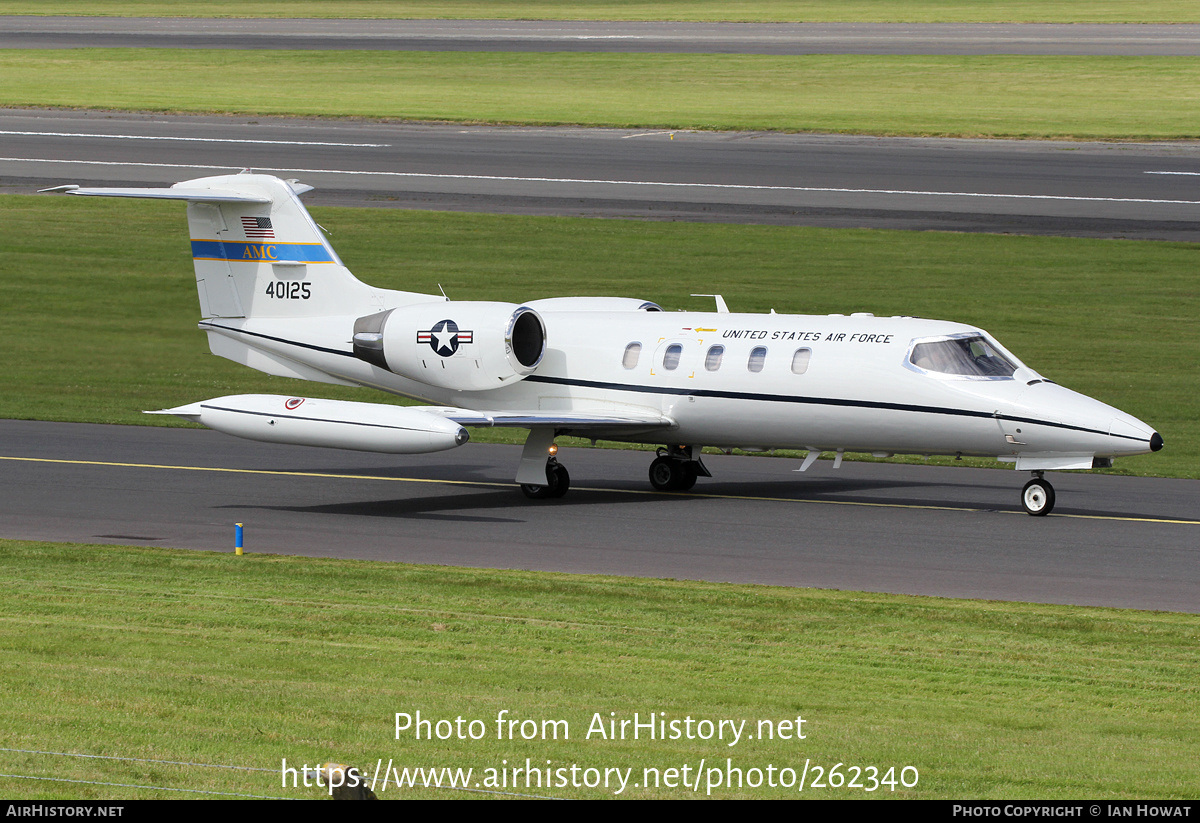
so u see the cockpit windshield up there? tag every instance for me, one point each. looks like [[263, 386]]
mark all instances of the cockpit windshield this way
[[968, 355]]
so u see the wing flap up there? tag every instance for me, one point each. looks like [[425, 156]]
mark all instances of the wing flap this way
[[577, 421]]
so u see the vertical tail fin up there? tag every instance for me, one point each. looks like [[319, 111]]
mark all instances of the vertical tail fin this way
[[256, 250]]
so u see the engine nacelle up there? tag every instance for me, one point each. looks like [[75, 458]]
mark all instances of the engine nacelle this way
[[465, 346]]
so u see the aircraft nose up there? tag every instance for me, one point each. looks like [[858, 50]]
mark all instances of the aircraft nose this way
[[1134, 436], [1085, 424]]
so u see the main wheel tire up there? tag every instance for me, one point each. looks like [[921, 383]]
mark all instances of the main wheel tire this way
[[668, 474], [687, 479], [1037, 498], [535, 492], [562, 479], [557, 483], [665, 474]]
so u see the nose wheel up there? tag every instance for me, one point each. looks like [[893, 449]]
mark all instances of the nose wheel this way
[[1037, 498]]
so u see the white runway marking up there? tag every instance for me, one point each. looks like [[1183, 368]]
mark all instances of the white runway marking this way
[[1190, 173], [726, 186], [195, 139]]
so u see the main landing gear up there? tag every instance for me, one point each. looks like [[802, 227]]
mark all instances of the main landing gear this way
[[1037, 497], [674, 470], [558, 480]]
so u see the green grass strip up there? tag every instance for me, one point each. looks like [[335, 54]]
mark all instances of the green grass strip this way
[[210, 658], [799, 11], [100, 300], [994, 96]]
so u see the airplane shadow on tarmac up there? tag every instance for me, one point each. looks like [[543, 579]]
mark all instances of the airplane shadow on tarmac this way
[[459, 500]]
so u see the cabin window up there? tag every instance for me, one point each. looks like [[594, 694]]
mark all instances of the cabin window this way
[[671, 357], [968, 355], [712, 360], [758, 356], [632, 351], [800, 361]]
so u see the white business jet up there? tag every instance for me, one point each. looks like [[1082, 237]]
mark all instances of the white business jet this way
[[275, 296]]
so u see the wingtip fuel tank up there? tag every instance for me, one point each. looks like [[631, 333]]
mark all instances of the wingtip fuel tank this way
[[337, 424]]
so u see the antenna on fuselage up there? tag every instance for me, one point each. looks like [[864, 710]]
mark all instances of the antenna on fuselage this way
[[721, 307]]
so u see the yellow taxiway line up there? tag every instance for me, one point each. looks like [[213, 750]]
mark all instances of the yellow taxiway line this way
[[699, 495]]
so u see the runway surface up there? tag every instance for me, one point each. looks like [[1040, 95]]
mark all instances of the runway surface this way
[[955, 532], [601, 36], [1148, 191]]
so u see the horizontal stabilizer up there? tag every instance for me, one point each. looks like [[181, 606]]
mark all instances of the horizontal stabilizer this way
[[190, 195]]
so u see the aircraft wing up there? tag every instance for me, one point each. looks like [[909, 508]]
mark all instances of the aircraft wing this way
[[573, 421]]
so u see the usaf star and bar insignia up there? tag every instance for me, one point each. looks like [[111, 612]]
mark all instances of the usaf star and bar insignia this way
[[445, 337]]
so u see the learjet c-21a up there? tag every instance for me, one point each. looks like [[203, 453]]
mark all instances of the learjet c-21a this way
[[275, 296]]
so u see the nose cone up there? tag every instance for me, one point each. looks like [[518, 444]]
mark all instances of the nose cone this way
[[1131, 435], [1080, 424]]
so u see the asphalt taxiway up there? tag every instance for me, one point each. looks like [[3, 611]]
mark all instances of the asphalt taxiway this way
[[1145, 191], [954, 532], [1025, 187]]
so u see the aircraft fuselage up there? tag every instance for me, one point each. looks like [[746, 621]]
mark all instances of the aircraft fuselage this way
[[824, 382]]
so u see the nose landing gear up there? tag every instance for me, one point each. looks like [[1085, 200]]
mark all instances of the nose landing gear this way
[[1037, 498]]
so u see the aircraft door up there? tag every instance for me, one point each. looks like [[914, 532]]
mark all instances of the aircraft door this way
[[674, 364]]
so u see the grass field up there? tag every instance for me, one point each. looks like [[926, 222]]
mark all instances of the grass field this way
[[100, 303], [809, 11], [995, 96], [209, 658]]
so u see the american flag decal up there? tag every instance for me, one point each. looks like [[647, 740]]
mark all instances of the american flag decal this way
[[258, 227]]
